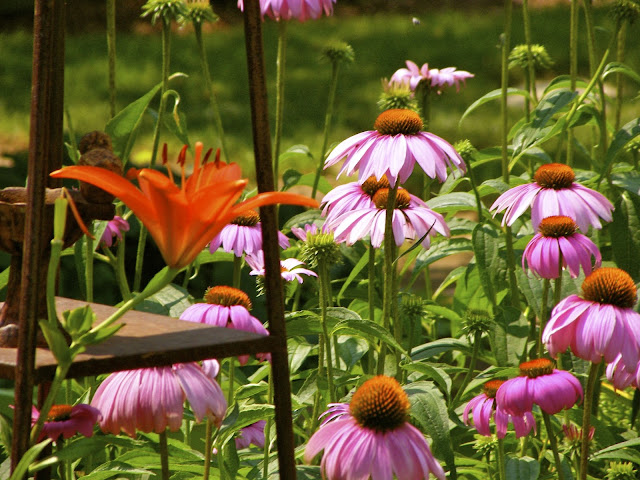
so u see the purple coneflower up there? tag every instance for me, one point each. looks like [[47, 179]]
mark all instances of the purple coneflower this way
[[113, 230], [226, 307], [558, 238], [554, 193], [67, 420], [393, 148], [411, 219], [352, 196], [301, 10], [243, 235], [541, 384], [371, 437], [620, 376], [482, 408], [600, 324], [253, 433], [152, 399], [290, 268], [412, 76]]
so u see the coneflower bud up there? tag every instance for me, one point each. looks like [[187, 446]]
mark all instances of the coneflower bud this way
[[519, 57]]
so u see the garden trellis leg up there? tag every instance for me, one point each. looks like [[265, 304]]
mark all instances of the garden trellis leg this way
[[45, 155]]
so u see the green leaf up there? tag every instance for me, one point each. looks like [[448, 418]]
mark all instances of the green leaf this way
[[486, 243], [172, 300], [299, 349], [4, 278], [523, 468], [231, 460], [492, 95], [308, 178], [355, 271], [618, 67], [6, 433], [123, 127], [623, 136], [435, 373], [368, 330], [439, 251], [634, 442], [430, 411], [176, 123], [56, 341], [439, 346], [251, 390], [625, 234], [78, 321], [453, 202], [350, 350], [80, 258], [248, 415], [99, 335], [508, 335], [27, 459], [290, 178]]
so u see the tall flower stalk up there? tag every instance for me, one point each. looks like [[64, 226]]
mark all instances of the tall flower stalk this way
[[281, 64], [111, 53], [337, 54]]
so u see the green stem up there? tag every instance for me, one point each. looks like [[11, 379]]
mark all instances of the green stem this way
[[328, 120], [511, 267], [546, 284], [554, 445], [280, 76], [622, 33], [389, 271], [237, 270], [477, 336], [89, 265], [121, 276], [426, 105], [474, 187], [142, 242], [56, 383], [231, 381], [586, 420], [197, 27], [531, 72], [506, 42], [111, 54], [166, 49], [267, 434], [324, 301], [164, 454], [208, 449], [161, 280], [502, 467], [372, 309]]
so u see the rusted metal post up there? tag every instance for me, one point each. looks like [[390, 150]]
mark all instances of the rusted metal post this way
[[45, 154], [273, 282]]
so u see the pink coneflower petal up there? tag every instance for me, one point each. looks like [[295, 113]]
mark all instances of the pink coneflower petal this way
[[393, 149]]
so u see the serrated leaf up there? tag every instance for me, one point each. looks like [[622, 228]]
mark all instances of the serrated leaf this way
[[430, 411], [523, 468]]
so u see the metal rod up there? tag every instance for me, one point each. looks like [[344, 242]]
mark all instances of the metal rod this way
[[45, 154], [273, 282]]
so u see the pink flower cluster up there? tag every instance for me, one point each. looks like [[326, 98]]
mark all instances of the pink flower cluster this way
[[434, 78]]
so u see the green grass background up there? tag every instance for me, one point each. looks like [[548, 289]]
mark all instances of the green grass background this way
[[467, 40]]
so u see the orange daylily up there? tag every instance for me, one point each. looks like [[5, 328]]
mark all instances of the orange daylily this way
[[182, 220]]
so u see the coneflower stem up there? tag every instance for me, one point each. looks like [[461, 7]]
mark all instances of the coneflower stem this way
[[237, 270], [88, 275], [554, 444], [324, 301], [121, 276], [372, 308], [477, 336], [586, 420], [231, 381], [502, 468], [208, 449], [164, 454], [531, 72], [267, 432], [543, 313], [328, 120], [389, 271], [166, 49], [217, 118], [280, 76], [622, 34], [573, 67]]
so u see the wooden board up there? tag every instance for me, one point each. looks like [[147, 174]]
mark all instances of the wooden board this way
[[146, 340]]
